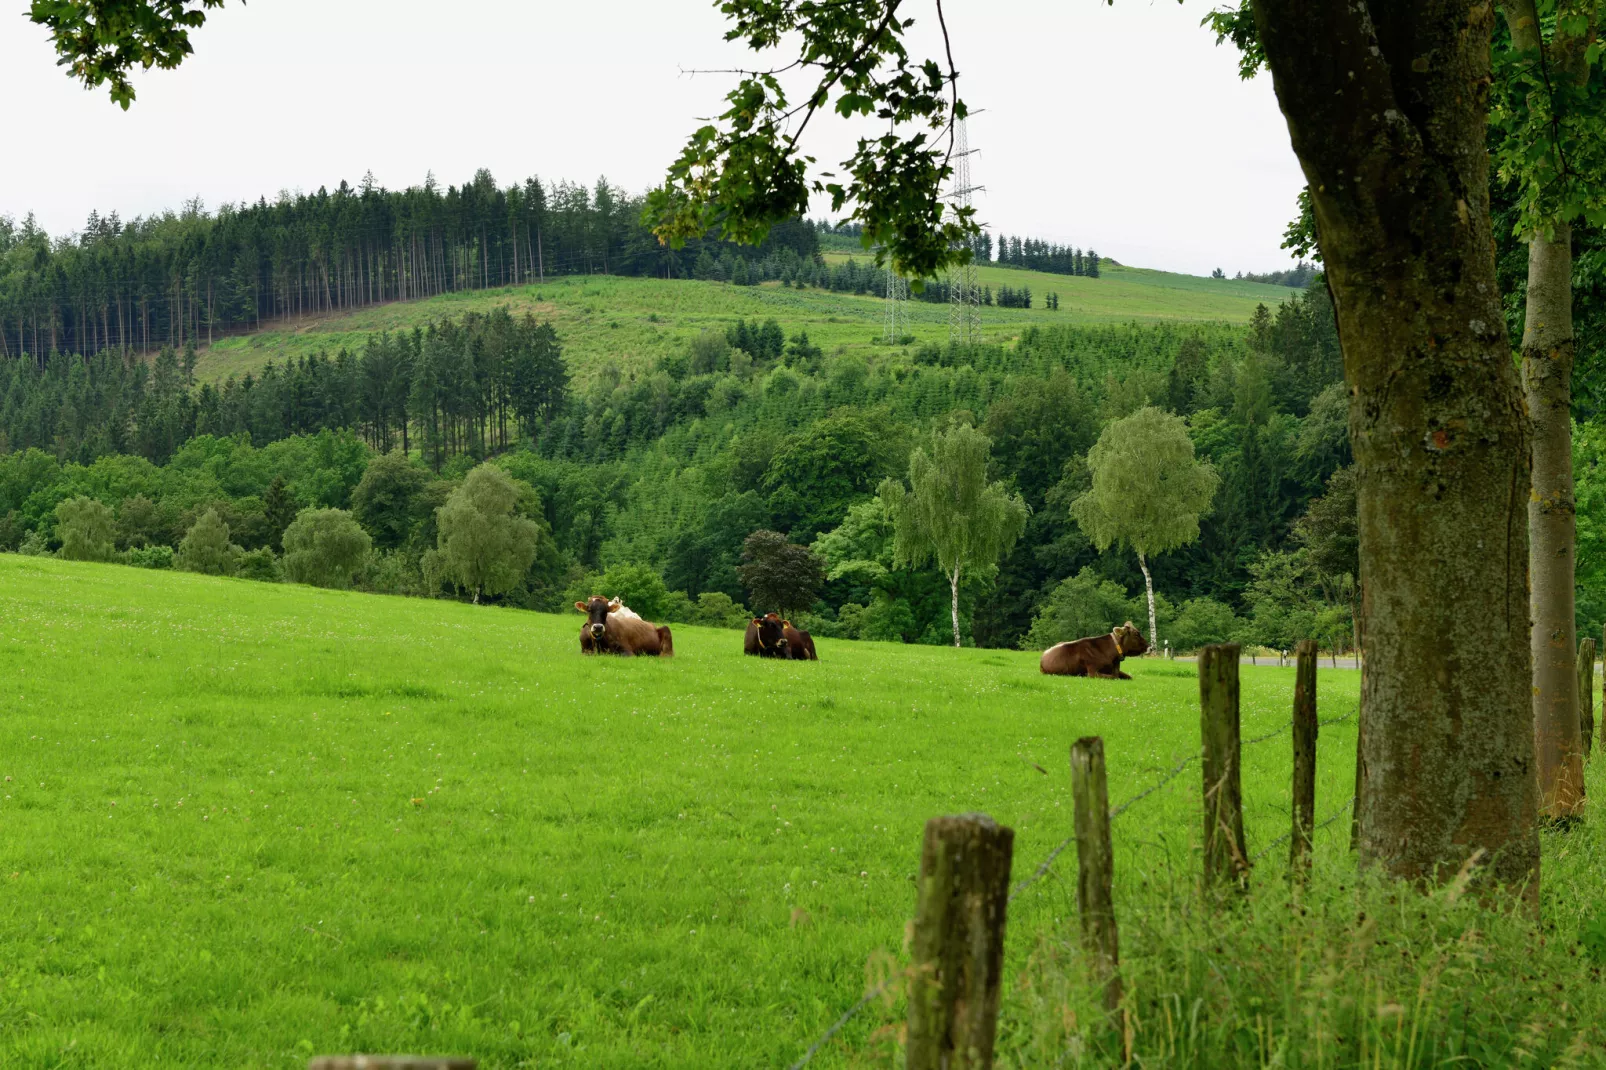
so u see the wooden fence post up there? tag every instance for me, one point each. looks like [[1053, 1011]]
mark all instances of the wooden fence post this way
[[1360, 769], [958, 943], [1586, 694], [1305, 728], [1095, 870], [1226, 859], [391, 1062]]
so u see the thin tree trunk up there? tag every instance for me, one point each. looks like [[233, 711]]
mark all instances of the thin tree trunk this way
[[953, 585], [1547, 368], [1387, 108], [1548, 347], [1148, 586]]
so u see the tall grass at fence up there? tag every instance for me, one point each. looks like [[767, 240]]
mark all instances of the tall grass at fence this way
[[1345, 970]]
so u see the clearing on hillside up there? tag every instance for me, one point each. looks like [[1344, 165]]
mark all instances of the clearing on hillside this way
[[631, 322]]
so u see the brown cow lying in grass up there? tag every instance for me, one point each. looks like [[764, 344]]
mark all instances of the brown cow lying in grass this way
[[613, 628], [1098, 656], [799, 644], [766, 638]]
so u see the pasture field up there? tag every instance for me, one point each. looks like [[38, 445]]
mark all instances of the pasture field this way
[[243, 823], [631, 322]]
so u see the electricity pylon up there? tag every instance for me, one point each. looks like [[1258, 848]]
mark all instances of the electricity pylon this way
[[964, 312], [897, 316]]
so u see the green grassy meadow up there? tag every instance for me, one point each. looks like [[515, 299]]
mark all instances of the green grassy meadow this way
[[631, 322], [244, 823]]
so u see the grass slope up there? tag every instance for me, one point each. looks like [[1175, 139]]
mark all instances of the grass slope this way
[[248, 822], [631, 322]]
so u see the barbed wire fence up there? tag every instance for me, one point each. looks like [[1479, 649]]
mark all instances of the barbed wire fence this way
[[1046, 866]]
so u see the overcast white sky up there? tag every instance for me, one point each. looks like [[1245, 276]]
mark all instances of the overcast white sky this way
[[1122, 128]]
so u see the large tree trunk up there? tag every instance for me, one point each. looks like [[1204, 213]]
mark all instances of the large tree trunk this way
[[1148, 586], [1387, 105], [1547, 366]]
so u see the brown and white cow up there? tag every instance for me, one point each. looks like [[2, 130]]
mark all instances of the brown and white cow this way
[[1097, 656], [766, 638], [799, 644], [613, 628]]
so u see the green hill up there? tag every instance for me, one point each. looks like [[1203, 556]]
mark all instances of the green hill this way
[[631, 322]]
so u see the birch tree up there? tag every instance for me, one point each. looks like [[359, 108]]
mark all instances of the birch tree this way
[[950, 513], [485, 545], [1149, 491]]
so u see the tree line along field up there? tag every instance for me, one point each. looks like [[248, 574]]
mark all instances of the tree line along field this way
[[249, 822], [630, 323]]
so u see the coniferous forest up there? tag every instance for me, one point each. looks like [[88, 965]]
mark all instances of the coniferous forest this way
[[190, 276]]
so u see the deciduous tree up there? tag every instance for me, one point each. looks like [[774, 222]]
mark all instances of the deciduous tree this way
[[86, 528], [206, 547], [1387, 108], [1148, 493], [324, 548], [950, 512], [779, 575], [1550, 121], [387, 501], [485, 545], [101, 41]]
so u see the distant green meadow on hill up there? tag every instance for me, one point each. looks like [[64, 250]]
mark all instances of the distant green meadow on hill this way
[[631, 322]]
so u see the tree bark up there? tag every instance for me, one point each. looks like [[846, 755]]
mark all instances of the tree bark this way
[[1148, 586], [953, 583], [1547, 369], [1387, 108]]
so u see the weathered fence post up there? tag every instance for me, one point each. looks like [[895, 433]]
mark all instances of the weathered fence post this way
[[1360, 768], [391, 1062], [1095, 871], [958, 943], [1226, 860], [1305, 729], [1586, 694]]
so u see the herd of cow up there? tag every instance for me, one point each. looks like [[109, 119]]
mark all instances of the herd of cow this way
[[611, 627]]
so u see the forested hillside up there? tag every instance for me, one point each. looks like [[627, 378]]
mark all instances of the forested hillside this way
[[754, 427], [656, 423], [195, 276]]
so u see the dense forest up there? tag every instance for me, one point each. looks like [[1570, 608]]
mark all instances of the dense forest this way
[[187, 277], [746, 429], [750, 428]]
